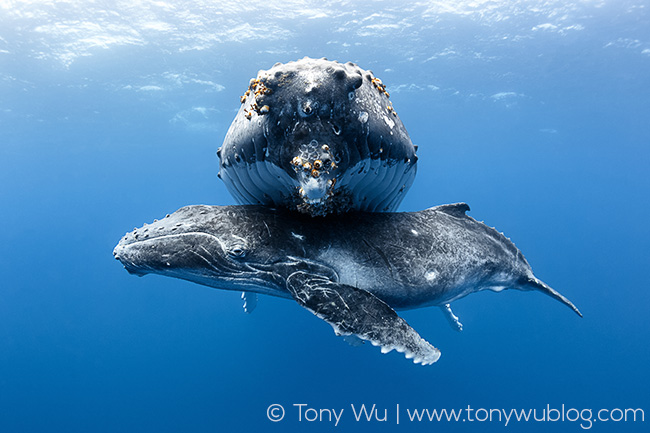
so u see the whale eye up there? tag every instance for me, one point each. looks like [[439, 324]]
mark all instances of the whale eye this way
[[237, 252]]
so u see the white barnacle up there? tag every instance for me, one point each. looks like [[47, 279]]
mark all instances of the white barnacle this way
[[415, 232]]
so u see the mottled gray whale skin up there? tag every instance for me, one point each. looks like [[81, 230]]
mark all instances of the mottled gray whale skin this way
[[320, 137], [352, 272]]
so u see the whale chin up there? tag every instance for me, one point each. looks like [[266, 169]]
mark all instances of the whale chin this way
[[135, 271], [315, 191]]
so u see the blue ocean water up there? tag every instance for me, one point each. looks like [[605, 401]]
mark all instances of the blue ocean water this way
[[536, 113]]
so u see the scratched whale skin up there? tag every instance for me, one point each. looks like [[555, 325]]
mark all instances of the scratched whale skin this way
[[319, 137], [354, 275]]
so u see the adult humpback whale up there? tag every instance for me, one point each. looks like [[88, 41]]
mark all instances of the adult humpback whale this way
[[352, 272], [320, 137]]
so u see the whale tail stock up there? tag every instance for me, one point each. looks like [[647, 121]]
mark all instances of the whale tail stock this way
[[533, 283]]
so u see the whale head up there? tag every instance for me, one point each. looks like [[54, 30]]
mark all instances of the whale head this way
[[222, 249], [319, 137]]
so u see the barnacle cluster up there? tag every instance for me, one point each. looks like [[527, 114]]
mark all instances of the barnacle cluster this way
[[380, 86], [382, 89], [390, 109], [314, 161], [258, 89]]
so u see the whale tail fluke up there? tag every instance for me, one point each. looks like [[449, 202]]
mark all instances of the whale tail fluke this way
[[536, 284]]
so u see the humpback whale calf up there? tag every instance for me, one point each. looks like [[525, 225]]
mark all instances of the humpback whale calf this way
[[351, 270], [319, 137]]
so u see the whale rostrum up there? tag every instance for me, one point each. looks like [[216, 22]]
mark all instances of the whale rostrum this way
[[353, 270]]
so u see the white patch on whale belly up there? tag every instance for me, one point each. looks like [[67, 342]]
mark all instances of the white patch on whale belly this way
[[298, 236], [314, 190], [431, 275]]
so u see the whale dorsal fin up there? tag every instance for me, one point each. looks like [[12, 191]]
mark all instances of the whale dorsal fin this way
[[456, 209]]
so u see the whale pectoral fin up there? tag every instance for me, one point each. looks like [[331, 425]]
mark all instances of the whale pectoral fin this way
[[354, 311], [453, 320], [250, 301]]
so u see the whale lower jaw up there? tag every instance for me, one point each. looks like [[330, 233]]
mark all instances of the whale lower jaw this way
[[372, 185]]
